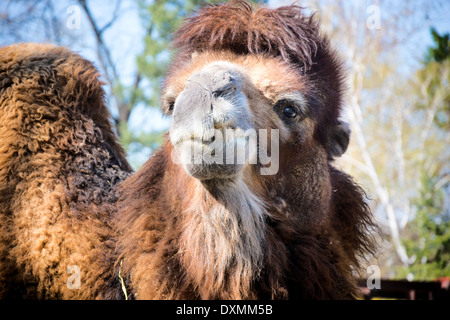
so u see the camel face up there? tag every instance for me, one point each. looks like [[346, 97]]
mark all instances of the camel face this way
[[231, 112], [212, 127]]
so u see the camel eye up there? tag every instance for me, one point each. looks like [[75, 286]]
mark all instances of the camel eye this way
[[171, 105], [290, 112]]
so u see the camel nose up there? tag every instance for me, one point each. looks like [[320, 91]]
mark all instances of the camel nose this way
[[205, 103], [192, 115], [203, 90], [194, 102]]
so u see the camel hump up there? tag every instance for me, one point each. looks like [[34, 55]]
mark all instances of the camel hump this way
[[46, 90], [42, 71], [60, 163]]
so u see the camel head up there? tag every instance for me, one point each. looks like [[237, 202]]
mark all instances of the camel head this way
[[252, 91]]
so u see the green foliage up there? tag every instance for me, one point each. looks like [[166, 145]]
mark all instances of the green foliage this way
[[429, 234], [152, 140], [441, 50]]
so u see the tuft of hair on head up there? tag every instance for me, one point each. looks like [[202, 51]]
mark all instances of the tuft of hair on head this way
[[240, 27]]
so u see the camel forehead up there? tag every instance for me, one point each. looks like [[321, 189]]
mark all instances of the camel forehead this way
[[270, 76]]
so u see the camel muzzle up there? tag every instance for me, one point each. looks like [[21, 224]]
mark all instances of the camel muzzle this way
[[211, 119]]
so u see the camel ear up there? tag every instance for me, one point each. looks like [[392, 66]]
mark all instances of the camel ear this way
[[339, 139]]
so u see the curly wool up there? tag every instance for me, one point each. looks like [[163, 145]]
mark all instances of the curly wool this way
[[60, 163]]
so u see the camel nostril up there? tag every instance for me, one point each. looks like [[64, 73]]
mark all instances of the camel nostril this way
[[213, 138]]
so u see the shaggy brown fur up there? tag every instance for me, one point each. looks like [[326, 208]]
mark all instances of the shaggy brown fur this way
[[300, 261], [59, 164], [316, 222]]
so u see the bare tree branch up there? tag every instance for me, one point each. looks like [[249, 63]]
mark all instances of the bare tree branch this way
[[124, 104], [113, 19], [103, 51]]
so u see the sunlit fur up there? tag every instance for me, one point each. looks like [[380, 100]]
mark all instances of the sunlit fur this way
[[60, 162]]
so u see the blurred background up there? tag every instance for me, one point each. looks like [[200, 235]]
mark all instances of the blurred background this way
[[397, 56]]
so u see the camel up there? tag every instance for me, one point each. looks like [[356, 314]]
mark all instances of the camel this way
[[241, 201]]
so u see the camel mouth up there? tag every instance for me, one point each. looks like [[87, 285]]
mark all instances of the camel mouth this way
[[226, 152], [219, 156]]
